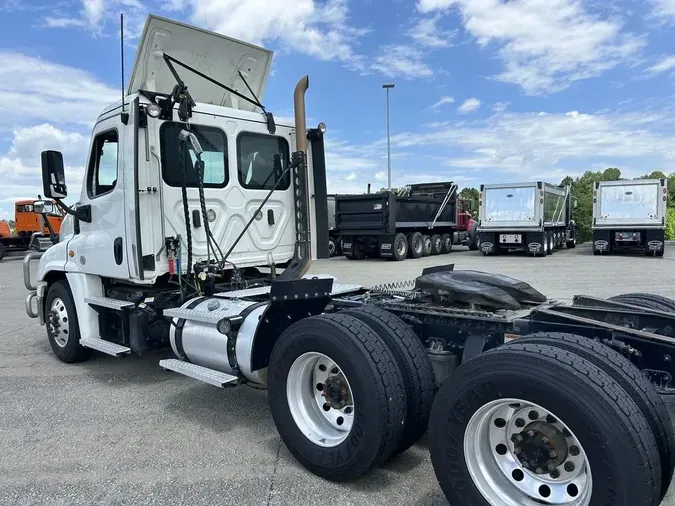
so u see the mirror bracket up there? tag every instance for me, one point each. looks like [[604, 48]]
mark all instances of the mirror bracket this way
[[82, 213]]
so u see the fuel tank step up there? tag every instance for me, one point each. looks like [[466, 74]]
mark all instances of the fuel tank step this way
[[109, 303], [210, 376], [106, 347]]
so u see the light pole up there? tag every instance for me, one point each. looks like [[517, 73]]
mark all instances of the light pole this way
[[387, 87]]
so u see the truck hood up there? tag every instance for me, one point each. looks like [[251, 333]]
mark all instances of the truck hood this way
[[217, 56]]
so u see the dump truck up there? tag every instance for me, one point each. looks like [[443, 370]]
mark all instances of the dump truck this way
[[33, 228], [198, 219], [419, 222], [535, 217], [630, 215]]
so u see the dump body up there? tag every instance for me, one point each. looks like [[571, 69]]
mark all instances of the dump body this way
[[532, 216], [629, 215], [369, 224]]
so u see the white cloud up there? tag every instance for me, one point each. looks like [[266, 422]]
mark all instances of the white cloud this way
[[351, 177], [320, 29], [545, 45], [95, 15], [469, 105], [20, 166], [402, 61], [93, 10], [427, 33], [665, 65], [664, 8], [441, 102], [37, 90]]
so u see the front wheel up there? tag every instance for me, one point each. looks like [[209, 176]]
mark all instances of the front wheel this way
[[332, 247], [62, 324], [336, 396], [524, 436]]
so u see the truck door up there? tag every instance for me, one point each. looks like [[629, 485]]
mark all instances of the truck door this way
[[239, 171], [100, 246]]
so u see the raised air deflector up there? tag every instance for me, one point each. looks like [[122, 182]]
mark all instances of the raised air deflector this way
[[215, 55]]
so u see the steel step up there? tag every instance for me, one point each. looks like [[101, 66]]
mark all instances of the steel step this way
[[194, 315], [108, 302], [210, 376], [103, 346]]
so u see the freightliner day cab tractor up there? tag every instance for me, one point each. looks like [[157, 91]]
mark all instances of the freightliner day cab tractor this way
[[630, 215], [531, 217], [192, 237]]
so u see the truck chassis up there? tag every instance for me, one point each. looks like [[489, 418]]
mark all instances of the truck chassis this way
[[398, 359]]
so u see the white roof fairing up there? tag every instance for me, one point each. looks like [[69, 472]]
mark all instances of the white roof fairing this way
[[219, 57]]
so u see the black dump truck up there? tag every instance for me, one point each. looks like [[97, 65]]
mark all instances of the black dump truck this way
[[419, 222]]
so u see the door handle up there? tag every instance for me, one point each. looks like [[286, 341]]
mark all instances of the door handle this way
[[270, 216], [196, 218], [117, 250]]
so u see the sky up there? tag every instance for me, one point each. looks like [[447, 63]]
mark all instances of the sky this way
[[486, 91]]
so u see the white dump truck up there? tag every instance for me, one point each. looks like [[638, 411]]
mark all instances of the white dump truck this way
[[196, 224], [630, 215], [535, 217]]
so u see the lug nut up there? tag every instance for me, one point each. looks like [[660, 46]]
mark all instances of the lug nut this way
[[525, 465], [539, 470], [551, 419], [566, 433], [520, 422], [553, 454], [545, 440], [517, 451], [574, 451], [517, 438], [551, 466], [533, 415], [569, 467], [555, 474], [530, 433]]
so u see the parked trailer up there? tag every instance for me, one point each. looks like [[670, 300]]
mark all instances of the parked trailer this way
[[630, 216], [531, 217], [420, 223], [334, 241], [353, 374]]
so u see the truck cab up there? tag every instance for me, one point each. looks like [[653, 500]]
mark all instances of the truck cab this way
[[189, 187]]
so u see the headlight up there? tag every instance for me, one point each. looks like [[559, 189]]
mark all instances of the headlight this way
[[153, 110], [322, 127]]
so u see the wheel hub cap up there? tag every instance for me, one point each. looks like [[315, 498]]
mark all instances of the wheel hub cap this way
[[320, 399], [520, 454]]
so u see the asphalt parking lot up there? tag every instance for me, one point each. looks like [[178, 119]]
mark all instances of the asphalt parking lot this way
[[122, 431]]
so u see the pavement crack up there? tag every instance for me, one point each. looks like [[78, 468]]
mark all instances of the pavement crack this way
[[274, 473]]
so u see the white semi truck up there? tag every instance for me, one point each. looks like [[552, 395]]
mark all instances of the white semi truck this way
[[630, 215], [535, 217], [197, 221]]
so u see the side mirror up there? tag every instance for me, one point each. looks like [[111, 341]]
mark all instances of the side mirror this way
[[43, 207], [53, 175]]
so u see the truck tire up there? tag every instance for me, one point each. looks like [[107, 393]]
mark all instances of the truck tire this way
[[62, 325], [436, 244], [332, 247], [2, 251], [473, 236], [647, 300], [400, 247], [340, 355], [487, 396], [550, 243], [413, 361], [632, 380], [426, 250], [572, 244], [415, 245], [446, 241]]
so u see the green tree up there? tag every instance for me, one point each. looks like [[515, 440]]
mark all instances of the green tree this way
[[469, 193]]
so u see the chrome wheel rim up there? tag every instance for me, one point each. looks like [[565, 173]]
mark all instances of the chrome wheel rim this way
[[59, 324], [505, 447], [320, 399], [401, 248], [331, 247]]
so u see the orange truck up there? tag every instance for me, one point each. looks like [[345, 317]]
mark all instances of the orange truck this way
[[30, 228]]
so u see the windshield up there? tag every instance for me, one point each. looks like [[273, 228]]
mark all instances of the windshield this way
[[628, 201], [510, 204]]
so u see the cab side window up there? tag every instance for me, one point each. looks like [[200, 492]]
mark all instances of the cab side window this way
[[262, 161], [102, 174]]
